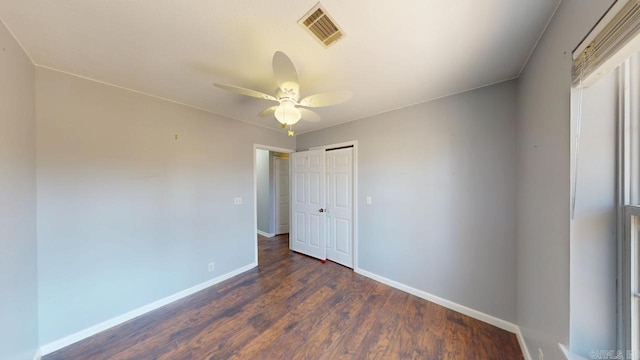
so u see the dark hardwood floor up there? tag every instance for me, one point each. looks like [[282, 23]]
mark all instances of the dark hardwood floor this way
[[294, 307]]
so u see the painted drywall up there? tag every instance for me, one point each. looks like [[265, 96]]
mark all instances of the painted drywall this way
[[127, 213], [441, 177], [593, 246], [18, 243], [263, 189], [543, 148]]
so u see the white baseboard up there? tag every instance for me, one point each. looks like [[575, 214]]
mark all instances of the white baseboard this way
[[83, 334], [523, 345], [266, 234], [502, 324], [568, 354]]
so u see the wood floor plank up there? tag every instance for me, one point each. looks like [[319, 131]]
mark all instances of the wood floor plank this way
[[282, 332], [376, 344], [329, 332], [414, 340], [348, 346], [294, 307]]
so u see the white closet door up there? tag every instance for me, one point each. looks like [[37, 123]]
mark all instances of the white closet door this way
[[308, 197], [339, 214]]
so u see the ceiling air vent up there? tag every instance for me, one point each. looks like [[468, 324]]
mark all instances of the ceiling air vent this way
[[319, 24]]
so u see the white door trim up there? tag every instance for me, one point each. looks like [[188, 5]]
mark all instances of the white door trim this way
[[353, 143], [255, 188], [276, 203]]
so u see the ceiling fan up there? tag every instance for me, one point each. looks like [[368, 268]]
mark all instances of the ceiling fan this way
[[290, 108]]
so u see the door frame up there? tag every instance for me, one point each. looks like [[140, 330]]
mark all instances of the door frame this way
[[255, 189], [353, 143], [276, 212]]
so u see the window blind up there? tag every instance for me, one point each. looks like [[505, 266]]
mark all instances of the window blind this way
[[614, 39]]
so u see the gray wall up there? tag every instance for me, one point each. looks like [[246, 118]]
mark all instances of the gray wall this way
[[593, 246], [127, 214], [18, 246], [543, 170], [263, 203], [441, 175]]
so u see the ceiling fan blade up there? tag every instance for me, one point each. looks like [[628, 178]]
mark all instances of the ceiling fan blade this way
[[285, 74], [247, 92], [326, 99], [270, 111], [308, 115]]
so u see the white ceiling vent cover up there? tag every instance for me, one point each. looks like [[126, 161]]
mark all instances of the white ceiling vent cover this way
[[321, 26]]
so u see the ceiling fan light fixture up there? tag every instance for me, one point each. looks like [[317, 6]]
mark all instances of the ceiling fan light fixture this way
[[290, 108], [287, 113]]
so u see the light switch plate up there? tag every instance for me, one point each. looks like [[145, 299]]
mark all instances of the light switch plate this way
[[237, 200]]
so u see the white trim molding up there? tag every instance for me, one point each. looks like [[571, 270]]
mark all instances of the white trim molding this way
[[523, 345], [260, 232], [568, 354], [90, 331], [38, 354], [502, 324]]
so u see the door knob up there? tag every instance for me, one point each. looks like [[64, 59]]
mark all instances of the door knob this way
[[321, 210]]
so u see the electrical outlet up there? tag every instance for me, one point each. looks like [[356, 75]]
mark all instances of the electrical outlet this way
[[212, 266], [540, 354], [237, 201], [369, 200]]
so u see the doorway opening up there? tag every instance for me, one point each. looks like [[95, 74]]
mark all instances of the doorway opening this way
[[338, 209], [271, 193]]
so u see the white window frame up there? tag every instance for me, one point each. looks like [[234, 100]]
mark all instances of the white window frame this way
[[628, 199], [631, 264]]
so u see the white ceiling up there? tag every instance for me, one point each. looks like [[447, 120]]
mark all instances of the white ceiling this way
[[395, 53]]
